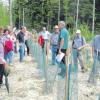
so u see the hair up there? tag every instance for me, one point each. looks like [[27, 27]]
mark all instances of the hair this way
[[62, 23], [5, 30], [22, 27]]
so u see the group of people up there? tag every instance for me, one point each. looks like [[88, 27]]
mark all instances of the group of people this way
[[60, 44], [12, 42]]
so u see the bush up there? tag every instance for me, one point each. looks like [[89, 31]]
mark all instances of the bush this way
[[86, 32]]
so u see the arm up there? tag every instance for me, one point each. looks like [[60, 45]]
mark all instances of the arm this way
[[61, 44]]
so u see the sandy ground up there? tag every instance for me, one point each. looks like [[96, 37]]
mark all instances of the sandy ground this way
[[26, 83]]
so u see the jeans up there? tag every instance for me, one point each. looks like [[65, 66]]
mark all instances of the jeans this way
[[21, 52], [9, 57], [27, 46], [95, 69], [77, 56], [54, 53]]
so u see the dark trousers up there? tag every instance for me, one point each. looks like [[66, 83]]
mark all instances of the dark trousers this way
[[64, 51], [62, 64], [26, 43], [1, 72]]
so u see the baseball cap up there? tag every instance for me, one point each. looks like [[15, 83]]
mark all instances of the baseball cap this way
[[78, 31]]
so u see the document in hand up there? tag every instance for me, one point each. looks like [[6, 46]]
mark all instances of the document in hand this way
[[59, 57]]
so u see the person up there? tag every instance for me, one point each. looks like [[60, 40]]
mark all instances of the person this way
[[46, 36], [8, 46], [62, 47], [27, 37], [78, 44], [54, 43], [2, 61], [21, 43], [96, 60]]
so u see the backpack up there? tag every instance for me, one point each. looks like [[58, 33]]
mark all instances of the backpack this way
[[8, 46], [41, 41]]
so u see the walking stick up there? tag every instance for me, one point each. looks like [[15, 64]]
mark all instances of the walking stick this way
[[66, 81], [7, 83]]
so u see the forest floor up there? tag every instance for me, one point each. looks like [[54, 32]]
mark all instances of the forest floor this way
[[26, 83]]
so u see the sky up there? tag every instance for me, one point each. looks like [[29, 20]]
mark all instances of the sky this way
[[5, 2]]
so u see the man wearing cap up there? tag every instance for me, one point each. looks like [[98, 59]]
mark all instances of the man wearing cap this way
[[77, 44], [63, 46], [96, 59], [54, 43]]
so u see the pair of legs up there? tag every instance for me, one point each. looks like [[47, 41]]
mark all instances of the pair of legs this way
[[95, 69], [21, 52], [1, 73], [9, 57], [62, 64], [54, 52], [27, 46], [77, 56]]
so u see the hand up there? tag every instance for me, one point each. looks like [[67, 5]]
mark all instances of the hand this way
[[59, 51], [79, 49]]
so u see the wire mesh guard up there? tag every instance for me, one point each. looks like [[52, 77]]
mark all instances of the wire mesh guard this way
[[66, 88], [95, 72]]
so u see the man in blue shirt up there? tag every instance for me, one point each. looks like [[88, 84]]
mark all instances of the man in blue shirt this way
[[63, 46], [77, 44], [95, 73], [21, 42]]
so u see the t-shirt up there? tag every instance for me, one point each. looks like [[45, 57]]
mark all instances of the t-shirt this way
[[45, 35], [78, 41], [96, 43], [20, 37], [1, 49], [54, 39], [63, 35]]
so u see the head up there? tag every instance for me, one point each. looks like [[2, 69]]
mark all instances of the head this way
[[61, 24], [23, 29], [78, 32], [6, 31], [44, 29], [56, 29]]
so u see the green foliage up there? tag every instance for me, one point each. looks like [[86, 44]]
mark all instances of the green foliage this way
[[86, 32], [4, 18]]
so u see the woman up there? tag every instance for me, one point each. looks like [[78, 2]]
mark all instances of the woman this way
[[2, 61]]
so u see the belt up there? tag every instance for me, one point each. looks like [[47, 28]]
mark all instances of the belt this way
[[54, 45], [74, 48]]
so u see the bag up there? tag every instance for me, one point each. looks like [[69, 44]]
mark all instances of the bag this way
[[8, 46], [41, 41], [59, 57]]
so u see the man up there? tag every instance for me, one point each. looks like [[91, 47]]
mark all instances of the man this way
[[63, 46], [77, 45], [96, 58], [54, 43], [21, 43]]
